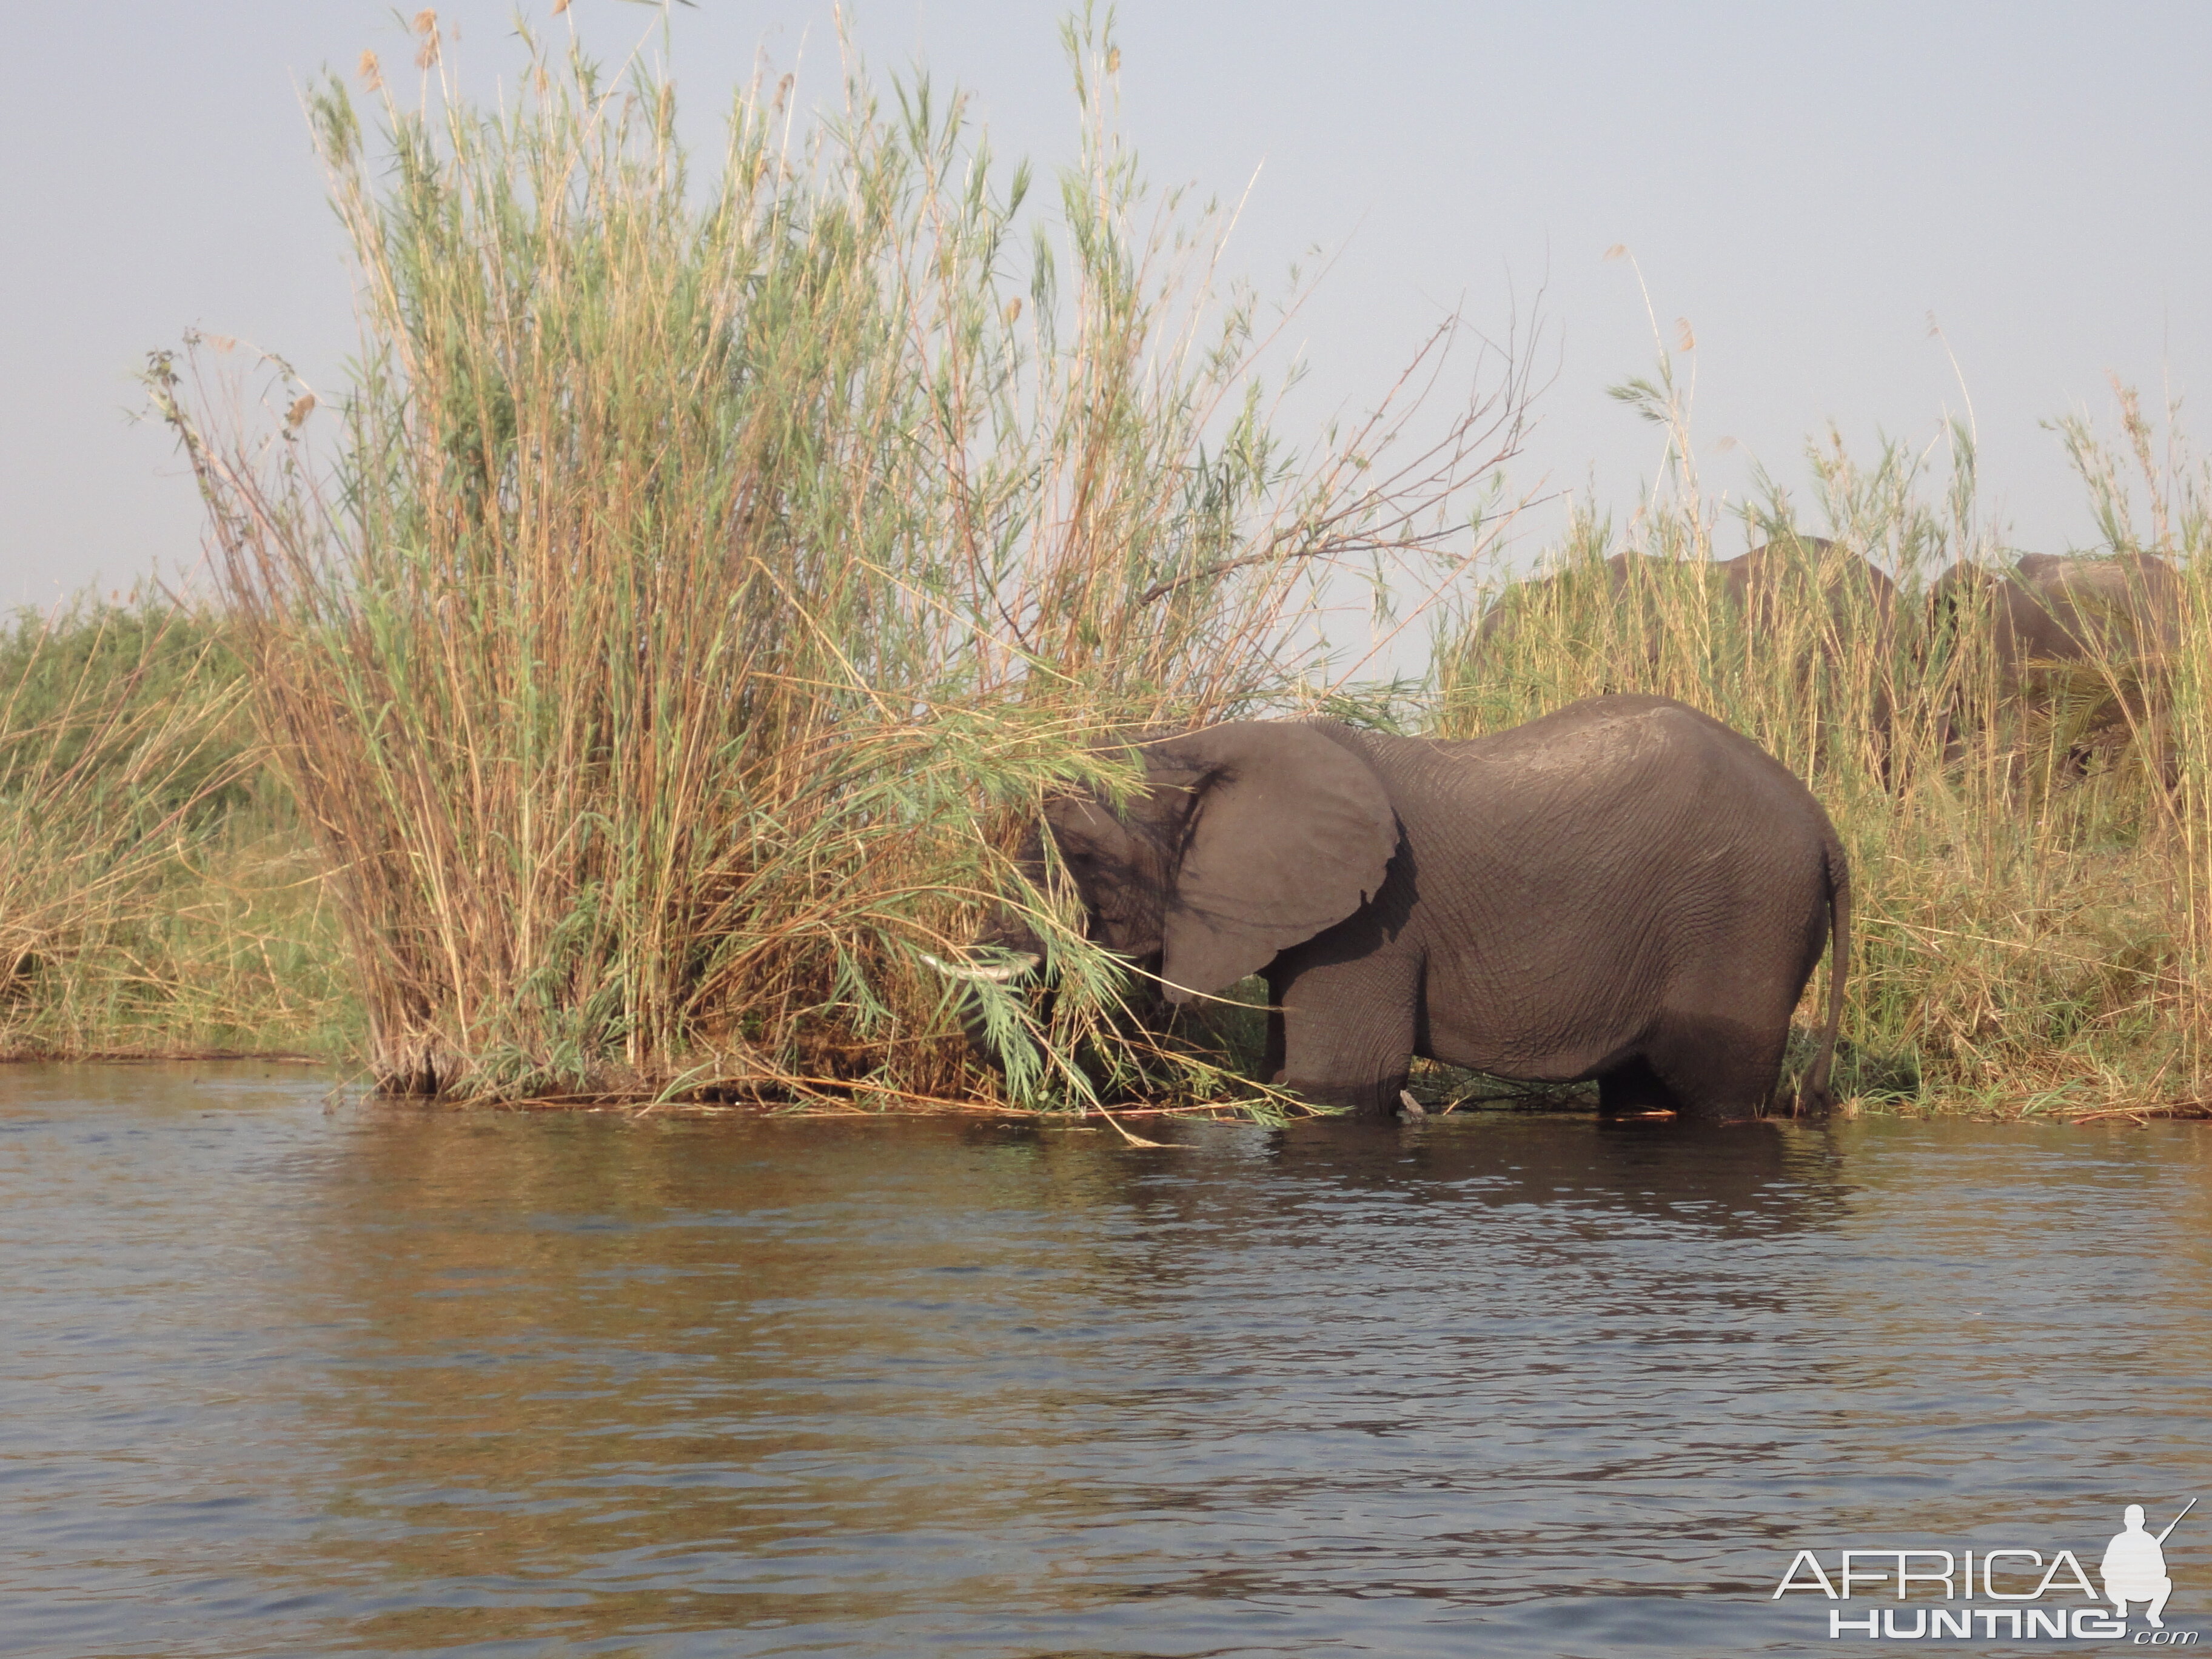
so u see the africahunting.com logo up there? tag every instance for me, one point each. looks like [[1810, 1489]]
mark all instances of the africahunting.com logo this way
[[2013, 1594]]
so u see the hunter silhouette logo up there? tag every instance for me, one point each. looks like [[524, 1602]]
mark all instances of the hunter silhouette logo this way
[[2134, 1567], [2008, 1593]]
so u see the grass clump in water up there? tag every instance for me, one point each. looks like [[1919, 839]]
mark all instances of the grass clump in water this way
[[710, 572]]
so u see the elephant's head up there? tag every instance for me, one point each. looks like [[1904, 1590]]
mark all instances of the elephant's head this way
[[1246, 839]]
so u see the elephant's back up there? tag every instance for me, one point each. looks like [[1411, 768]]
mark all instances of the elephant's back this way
[[1593, 776], [1617, 789], [1627, 739]]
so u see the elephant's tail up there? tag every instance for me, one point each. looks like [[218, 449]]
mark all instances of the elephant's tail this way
[[1814, 1094]]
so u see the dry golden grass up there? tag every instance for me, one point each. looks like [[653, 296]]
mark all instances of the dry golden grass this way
[[155, 896], [707, 574], [2028, 841]]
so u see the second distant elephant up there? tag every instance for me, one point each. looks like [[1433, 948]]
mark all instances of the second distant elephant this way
[[1855, 592], [1623, 891], [2099, 631]]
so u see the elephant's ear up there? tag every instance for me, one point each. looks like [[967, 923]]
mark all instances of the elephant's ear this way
[[1288, 835]]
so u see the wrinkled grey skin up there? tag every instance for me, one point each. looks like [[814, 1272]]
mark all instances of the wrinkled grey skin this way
[[1625, 889], [2053, 615]]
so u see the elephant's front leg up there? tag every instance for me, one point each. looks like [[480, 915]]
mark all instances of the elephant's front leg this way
[[1343, 1031]]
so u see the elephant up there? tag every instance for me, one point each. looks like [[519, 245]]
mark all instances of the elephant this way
[[1625, 890], [2054, 619], [1618, 572], [1856, 588], [1768, 587], [1756, 583], [1767, 583]]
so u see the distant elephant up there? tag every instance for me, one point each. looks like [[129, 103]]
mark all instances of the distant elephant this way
[[1616, 572], [1856, 589], [2051, 621], [1625, 889], [1773, 587], [1758, 583], [1769, 584]]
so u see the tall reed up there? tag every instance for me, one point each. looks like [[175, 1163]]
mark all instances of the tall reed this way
[[151, 899], [709, 570]]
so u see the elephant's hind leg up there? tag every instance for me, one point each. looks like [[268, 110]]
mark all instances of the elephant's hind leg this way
[[1720, 1071], [1633, 1086]]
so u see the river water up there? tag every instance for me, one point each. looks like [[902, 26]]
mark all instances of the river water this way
[[283, 1372]]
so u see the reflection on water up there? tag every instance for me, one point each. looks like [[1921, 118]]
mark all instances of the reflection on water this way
[[279, 1377]]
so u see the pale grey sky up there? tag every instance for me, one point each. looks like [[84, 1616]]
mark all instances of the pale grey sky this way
[[1806, 185]]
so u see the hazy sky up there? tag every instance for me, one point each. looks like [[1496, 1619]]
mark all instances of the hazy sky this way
[[1806, 185]]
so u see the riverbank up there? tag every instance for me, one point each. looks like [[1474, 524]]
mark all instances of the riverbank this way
[[158, 894], [650, 664], [2023, 949]]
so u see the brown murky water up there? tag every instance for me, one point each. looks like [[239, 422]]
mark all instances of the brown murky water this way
[[280, 1378]]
